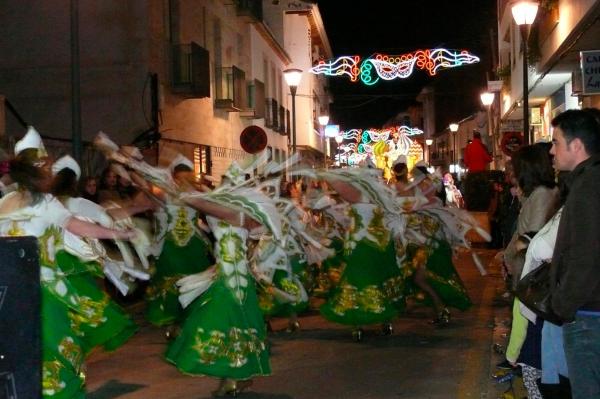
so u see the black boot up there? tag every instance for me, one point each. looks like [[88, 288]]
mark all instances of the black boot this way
[[387, 329]]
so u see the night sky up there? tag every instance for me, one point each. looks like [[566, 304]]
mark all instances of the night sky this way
[[401, 26]]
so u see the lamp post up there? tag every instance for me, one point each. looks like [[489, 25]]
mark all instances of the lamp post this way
[[292, 78], [338, 139], [487, 99], [428, 143], [323, 121], [524, 13], [454, 128]]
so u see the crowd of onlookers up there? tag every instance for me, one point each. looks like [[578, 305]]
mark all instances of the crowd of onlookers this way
[[546, 214]]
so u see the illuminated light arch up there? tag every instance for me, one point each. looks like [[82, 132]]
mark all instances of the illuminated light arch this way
[[389, 67], [374, 143]]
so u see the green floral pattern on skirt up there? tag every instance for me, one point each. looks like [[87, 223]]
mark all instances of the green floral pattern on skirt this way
[[442, 276], [174, 263], [370, 288], [271, 306], [224, 332]]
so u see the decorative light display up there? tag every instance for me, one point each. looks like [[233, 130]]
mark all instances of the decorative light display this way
[[383, 146], [389, 67]]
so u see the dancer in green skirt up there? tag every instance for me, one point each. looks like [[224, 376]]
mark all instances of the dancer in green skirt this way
[[223, 334], [367, 292], [184, 249], [425, 252], [370, 287], [30, 211], [104, 322]]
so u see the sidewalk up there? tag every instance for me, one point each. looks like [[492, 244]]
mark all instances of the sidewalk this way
[[502, 311]]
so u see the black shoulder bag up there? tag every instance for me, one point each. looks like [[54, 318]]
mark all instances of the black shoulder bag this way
[[533, 290]]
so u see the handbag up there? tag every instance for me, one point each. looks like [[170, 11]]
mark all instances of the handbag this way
[[533, 290]]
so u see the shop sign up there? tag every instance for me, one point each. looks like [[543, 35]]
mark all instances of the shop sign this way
[[511, 125], [590, 71]]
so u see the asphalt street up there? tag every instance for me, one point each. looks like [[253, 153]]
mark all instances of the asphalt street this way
[[321, 360]]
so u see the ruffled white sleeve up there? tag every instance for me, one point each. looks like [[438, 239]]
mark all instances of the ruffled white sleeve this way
[[91, 210], [54, 211]]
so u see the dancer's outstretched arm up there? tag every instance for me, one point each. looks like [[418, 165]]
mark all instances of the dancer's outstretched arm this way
[[228, 215]]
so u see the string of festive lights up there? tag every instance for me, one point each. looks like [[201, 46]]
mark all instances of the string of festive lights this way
[[389, 67]]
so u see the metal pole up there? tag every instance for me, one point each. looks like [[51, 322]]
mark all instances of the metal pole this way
[[454, 152], [525, 37], [491, 134], [75, 82], [293, 91]]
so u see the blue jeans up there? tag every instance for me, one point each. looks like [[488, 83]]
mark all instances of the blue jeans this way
[[582, 350]]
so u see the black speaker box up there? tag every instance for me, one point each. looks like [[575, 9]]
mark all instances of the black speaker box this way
[[20, 320]]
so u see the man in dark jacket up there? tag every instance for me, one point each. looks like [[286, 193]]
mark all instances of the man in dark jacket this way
[[476, 155], [575, 270]]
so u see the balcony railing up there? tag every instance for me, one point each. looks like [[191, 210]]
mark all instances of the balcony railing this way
[[272, 114], [190, 70], [230, 88]]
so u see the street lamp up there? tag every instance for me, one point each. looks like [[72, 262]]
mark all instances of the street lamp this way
[[428, 143], [454, 128], [292, 78], [323, 120], [487, 99], [338, 139], [524, 13]]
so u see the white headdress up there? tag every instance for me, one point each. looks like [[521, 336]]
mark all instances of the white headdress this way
[[421, 163], [66, 162], [32, 139], [180, 160]]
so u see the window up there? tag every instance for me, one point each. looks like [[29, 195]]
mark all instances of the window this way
[[202, 162]]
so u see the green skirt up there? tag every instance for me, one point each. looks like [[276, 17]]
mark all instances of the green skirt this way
[[62, 356], [221, 337], [174, 263], [96, 319], [330, 271], [370, 288], [271, 305], [443, 278]]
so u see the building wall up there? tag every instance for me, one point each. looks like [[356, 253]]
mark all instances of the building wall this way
[[35, 65], [570, 12], [197, 120], [298, 45], [122, 43]]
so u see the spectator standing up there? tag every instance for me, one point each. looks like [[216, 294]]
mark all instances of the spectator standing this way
[[89, 189], [476, 155], [575, 277], [540, 199]]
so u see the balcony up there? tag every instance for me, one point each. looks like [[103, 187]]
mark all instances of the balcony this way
[[256, 101], [282, 122], [250, 10], [190, 70], [230, 89], [272, 114]]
